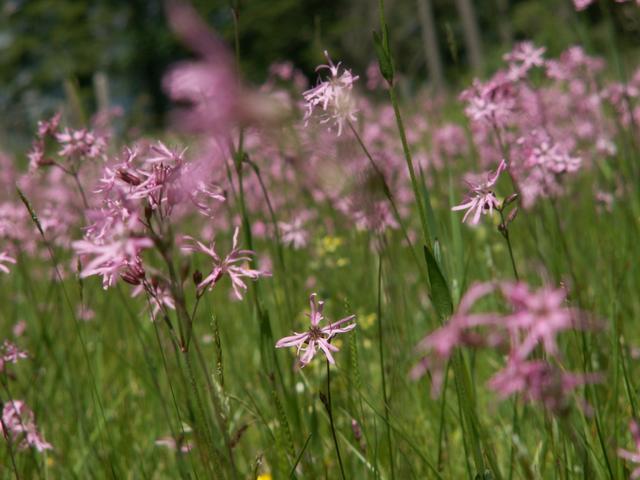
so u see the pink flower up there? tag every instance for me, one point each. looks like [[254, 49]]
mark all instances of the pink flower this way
[[333, 96], [112, 256], [18, 423], [80, 143], [538, 317], [538, 381], [481, 198], [4, 259], [170, 443], [316, 338], [11, 353], [232, 265], [633, 457], [294, 233], [522, 58], [438, 346], [490, 103]]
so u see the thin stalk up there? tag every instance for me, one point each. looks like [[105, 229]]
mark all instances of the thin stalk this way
[[331, 422], [505, 234], [409, 160], [388, 194], [382, 369]]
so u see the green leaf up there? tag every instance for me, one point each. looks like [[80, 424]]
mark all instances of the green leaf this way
[[381, 44], [440, 295]]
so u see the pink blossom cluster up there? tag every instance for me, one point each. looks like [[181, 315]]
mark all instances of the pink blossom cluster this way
[[532, 324], [545, 117], [18, 426]]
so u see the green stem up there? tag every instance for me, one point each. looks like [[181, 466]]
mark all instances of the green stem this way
[[382, 369], [410, 167], [333, 428]]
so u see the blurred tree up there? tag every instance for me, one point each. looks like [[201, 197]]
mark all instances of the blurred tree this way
[[431, 44]]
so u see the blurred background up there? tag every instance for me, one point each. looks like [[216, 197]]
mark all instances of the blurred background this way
[[51, 50]]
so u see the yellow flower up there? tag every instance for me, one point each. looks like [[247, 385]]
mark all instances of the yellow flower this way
[[264, 476], [342, 262], [330, 244], [367, 321]]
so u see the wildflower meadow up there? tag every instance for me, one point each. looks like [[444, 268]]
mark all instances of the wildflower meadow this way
[[340, 273]]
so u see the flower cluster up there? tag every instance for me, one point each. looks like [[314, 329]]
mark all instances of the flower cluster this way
[[534, 321], [19, 427]]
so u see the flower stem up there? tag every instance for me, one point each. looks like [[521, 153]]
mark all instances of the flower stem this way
[[333, 428], [382, 374], [505, 233]]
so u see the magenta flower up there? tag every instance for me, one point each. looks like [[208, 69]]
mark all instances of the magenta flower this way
[[633, 457], [233, 265], [316, 338], [333, 96], [481, 198]]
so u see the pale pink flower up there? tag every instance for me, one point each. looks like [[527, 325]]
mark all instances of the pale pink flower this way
[[184, 446], [481, 198], [80, 143], [539, 381], [523, 58], [491, 103], [18, 423], [333, 96], [538, 317], [633, 457], [19, 328], [437, 347], [316, 338], [110, 257], [4, 259], [294, 233], [233, 265], [11, 353]]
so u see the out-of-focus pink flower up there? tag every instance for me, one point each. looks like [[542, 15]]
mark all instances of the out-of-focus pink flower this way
[[184, 446], [316, 338], [232, 265], [491, 103], [110, 257], [333, 96], [538, 381], [19, 328], [536, 318], [4, 259], [18, 423], [80, 144], [437, 347], [294, 233], [481, 198], [522, 58], [633, 457], [11, 353]]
